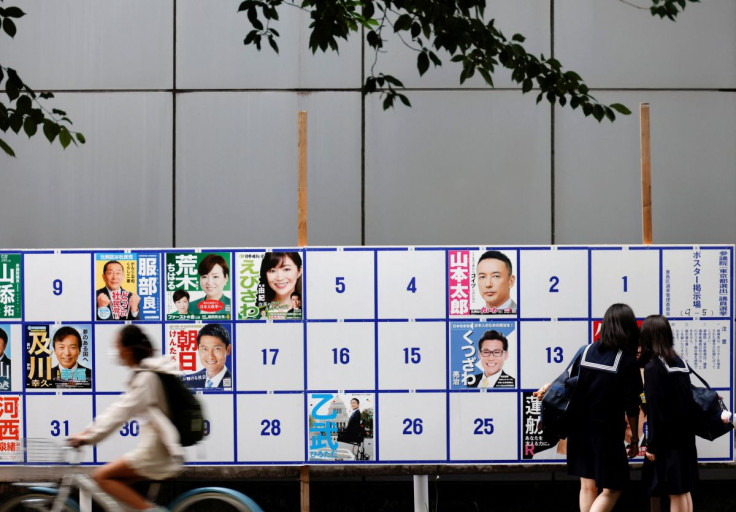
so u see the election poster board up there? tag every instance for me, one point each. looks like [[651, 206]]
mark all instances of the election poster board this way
[[344, 355]]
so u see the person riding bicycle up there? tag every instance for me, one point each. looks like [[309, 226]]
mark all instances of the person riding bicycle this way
[[159, 454]]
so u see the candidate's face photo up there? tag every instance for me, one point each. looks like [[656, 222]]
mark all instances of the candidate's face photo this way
[[212, 353], [296, 302], [114, 276], [182, 306], [354, 404], [282, 279], [67, 351], [3, 345], [213, 283], [494, 282], [492, 356]]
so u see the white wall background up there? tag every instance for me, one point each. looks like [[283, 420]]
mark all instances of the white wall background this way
[[192, 137]]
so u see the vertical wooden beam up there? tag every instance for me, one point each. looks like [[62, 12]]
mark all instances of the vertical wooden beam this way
[[304, 485], [646, 175], [302, 240], [302, 145]]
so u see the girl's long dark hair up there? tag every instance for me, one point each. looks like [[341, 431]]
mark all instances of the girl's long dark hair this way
[[619, 329], [656, 337]]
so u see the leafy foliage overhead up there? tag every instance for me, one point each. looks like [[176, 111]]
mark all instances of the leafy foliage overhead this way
[[457, 28], [24, 110]]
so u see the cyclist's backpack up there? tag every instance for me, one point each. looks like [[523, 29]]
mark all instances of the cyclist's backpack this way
[[185, 411]]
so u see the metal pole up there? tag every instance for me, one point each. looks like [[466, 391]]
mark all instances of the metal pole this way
[[421, 493]]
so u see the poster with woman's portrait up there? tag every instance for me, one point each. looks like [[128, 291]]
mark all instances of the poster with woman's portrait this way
[[269, 285], [198, 286]]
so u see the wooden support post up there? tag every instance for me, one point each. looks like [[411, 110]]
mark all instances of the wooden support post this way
[[302, 240], [302, 144], [304, 485], [646, 175]]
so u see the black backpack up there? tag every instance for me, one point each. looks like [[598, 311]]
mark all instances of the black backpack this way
[[185, 411], [556, 410]]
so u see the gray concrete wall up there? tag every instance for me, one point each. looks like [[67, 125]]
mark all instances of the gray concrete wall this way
[[192, 137]]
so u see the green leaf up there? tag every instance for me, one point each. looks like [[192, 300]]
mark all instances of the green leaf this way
[[621, 109], [9, 27], [416, 29], [80, 138], [24, 105], [8, 150], [14, 12], [527, 85], [253, 18], [16, 122], [403, 22], [519, 38], [609, 114], [422, 62], [30, 127], [404, 99], [272, 43], [65, 137], [50, 130]]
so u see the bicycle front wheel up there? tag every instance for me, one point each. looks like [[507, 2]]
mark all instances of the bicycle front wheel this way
[[36, 501], [214, 499]]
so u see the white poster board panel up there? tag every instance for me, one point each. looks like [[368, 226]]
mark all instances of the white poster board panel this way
[[625, 276], [553, 283], [411, 355], [271, 427], [56, 417], [109, 373], [120, 441], [547, 348], [218, 444], [341, 355], [697, 282], [706, 347], [340, 284], [411, 284], [483, 426], [269, 356], [57, 287], [412, 427]]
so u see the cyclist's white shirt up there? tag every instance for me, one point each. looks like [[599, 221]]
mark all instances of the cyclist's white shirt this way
[[159, 454]]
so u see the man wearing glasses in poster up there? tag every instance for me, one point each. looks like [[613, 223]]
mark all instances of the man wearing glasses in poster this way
[[493, 348]]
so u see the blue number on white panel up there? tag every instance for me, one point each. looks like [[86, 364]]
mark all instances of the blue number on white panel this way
[[274, 352], [555, 281], [625, 279], [56, 429], [58, 286], [413, 426], [554, 354], [206, 429], [340, 356], [412, 355], [340, 284], [271, 428], [412, 285], [130, 428], [483, 426]]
